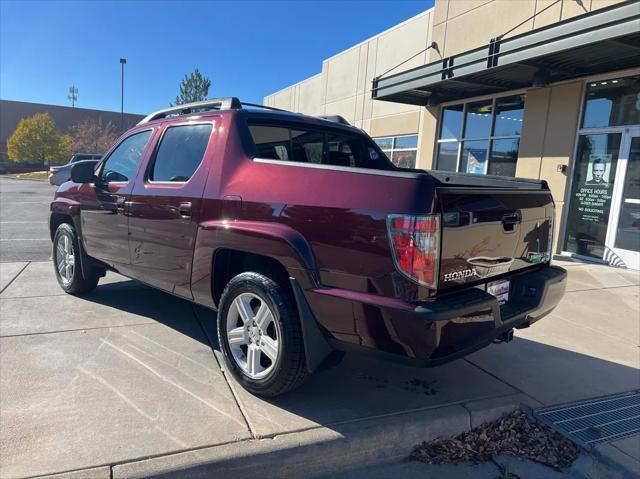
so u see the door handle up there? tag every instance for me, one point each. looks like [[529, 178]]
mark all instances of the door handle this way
[[510, 220], [120, 204], [185, 209]]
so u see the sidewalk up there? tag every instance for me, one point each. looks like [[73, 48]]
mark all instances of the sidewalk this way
[[123, 382]]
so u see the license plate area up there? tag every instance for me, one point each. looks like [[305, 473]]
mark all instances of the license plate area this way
[[499, 289]]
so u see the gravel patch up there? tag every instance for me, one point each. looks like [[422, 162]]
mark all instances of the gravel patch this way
[[515, 434]]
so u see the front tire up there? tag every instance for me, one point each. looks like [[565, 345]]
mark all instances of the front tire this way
[[260, 337], [66, 262]]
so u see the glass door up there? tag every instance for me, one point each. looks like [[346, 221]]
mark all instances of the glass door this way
[[592, 192], [623, 235]]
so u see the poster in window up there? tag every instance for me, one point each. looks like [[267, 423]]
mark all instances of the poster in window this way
[[598, 170], [591, 193], [477, 161]]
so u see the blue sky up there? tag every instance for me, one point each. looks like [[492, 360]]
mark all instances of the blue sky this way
[[247, 48]]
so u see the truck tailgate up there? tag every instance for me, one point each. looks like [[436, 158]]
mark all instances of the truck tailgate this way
[[488, 232]]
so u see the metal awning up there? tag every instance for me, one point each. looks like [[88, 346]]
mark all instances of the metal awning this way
[[601, 41]]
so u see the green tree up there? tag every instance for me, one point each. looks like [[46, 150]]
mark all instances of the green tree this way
[[93, 136], [36, 139], [194, 87]]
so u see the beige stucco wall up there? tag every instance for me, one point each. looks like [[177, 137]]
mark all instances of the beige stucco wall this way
[[548, 138], [461, 25]]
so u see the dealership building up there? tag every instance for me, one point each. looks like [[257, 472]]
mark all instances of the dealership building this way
[[546, 89]]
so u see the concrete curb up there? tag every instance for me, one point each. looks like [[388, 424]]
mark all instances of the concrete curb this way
[[606, 461], [308, 453], [324, 450]]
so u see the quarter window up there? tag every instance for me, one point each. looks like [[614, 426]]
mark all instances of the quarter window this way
[[481, 137], [307, 146], [122, 163], [316, 146], [180, 152], [271, 142], [401, 150]]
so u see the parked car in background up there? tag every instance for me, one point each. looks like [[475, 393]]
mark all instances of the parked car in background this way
[[60, 174], [308, 240]]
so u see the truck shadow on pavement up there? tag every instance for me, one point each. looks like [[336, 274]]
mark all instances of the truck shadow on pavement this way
[[384, 402], [362, 387]]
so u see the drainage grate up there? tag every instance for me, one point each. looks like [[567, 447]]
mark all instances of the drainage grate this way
[[597, 420]]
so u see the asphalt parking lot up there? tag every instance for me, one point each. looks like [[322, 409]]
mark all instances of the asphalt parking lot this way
[[125, 381], [24, 213]]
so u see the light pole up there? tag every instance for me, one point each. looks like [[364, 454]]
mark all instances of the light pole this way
[[123, 61]]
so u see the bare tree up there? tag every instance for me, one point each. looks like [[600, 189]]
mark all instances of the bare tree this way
[[93, 136]]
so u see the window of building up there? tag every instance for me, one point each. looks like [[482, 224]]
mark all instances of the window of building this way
[[481, 137], [611, 103], [317, 146], [180, 152], [452, 122], [401, 150], [122, 163]]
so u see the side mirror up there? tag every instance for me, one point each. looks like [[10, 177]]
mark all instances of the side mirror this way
[[83, 172]]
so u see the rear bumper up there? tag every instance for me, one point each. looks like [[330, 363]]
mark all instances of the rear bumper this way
[[456, 324]]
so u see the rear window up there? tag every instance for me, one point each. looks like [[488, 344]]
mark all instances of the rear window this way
[[318, 146]]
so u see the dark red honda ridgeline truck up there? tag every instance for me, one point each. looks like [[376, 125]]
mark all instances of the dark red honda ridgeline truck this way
[[307, 240]]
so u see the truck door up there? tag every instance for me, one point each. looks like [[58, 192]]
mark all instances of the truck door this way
[[165, 205], [103, 215]]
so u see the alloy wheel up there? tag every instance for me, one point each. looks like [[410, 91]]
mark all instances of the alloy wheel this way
[[65, 258], [253, 335]]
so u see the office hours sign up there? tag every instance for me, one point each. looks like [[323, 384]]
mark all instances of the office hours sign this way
[[593, 197], [591, 193]]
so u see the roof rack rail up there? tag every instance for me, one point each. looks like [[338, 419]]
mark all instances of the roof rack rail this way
[[231, 103], [335, 118], [261, 106]]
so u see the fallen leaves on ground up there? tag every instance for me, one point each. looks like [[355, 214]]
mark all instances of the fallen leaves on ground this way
[[515, 434]]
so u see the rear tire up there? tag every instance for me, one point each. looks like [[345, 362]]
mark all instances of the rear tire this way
[[66, 262], [260, 337]]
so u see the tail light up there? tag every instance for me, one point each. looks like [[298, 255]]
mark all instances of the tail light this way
[[415, 245]]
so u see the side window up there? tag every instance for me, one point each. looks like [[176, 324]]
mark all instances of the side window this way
[[307, 146], [180, 152], [347, 150], [326, 146], [122, 163], [271, 142]]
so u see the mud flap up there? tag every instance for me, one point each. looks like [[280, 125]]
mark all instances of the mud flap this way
[[316, 347]]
